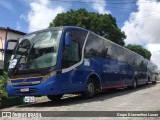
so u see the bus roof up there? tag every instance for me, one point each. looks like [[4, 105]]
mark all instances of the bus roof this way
[[60, 28], [70, 27]]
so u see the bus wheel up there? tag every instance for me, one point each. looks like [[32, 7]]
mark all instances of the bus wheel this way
[[54, 97], [148, 80], [154, 82], [90, 89], [134, 84]]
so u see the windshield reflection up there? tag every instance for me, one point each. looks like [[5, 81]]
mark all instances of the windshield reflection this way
[[38, 50]]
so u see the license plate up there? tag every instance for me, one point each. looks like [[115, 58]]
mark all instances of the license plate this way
[[29, 99], [24, 89]]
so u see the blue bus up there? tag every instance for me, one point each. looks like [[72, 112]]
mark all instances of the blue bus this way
[[152, 71], [71, 60]]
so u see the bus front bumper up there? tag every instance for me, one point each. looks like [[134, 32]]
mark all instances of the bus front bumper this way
[[50, 87]]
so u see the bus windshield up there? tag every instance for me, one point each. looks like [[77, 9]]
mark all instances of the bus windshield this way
[[37, 50]]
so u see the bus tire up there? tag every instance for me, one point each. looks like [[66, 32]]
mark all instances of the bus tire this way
[[154, 82], [90, 89], [134, 84], [148, 80], [54, 97]]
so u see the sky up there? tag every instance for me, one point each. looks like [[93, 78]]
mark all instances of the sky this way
[[139, 19]]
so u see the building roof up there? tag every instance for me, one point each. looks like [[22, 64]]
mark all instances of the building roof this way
[[11, 30]]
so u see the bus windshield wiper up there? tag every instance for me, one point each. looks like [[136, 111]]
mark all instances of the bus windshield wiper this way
[[25, 43], [33, 61], [15, 70]]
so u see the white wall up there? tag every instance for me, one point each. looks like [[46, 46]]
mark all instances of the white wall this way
[[10, 35], [1, 60], [2, 38]]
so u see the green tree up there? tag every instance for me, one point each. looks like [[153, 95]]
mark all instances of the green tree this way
[[140, 50], [102, 24]]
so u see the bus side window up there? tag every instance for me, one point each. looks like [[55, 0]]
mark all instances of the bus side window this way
[[121, 55], [110, 50], [94, 46], [72, 54]]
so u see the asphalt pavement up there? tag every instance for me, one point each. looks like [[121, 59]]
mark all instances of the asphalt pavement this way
[[144, 98]]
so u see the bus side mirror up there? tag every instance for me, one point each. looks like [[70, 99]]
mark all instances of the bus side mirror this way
[[67, 39]]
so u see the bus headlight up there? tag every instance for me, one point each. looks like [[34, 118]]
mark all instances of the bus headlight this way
[[46, 77]]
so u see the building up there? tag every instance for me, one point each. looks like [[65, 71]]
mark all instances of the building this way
[[6, 34]]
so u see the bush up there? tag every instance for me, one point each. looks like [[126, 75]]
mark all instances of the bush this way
[[6, 101], [3, 82]]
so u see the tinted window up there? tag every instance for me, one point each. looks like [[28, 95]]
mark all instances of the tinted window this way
[[94, 46], [110, 50], [97, 46], [72, 54], [121, 54], [130, 57], [140, 63]]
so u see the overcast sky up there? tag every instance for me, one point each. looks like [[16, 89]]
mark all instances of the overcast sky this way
[[139, 19]]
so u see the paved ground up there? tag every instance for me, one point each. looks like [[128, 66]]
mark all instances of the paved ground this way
[[144, 98]]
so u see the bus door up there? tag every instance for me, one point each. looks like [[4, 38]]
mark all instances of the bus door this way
[[71, 61]]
